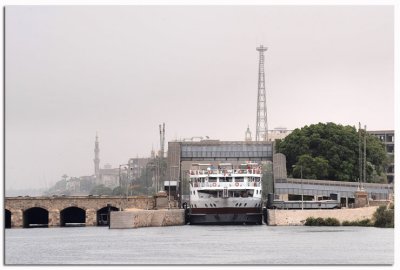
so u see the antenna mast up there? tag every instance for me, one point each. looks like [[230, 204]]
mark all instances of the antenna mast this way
[[360, 170], [261, 125]]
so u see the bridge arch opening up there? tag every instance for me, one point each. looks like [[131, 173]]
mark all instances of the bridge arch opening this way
[[72, 216], [35, 217], [102, 215], [7, 219]]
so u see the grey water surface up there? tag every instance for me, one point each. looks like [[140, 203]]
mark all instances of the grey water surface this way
[[258, 244]]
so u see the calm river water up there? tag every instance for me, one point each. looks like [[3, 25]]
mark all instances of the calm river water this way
[[200, 245]]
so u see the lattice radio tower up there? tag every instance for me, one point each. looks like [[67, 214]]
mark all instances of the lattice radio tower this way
[[261, 125]]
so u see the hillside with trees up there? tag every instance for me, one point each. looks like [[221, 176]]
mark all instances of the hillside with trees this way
[[331, 151]]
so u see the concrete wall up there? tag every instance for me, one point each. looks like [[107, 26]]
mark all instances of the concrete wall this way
[[379, 203], [298, 217], [146, 218]]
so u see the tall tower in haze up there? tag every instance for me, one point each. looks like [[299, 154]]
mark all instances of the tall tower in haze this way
[[261, 124], [96, 157]]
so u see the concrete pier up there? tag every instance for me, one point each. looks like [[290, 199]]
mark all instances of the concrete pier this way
[[136, 218]]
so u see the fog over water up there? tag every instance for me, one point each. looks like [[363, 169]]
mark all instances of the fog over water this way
[[72, 71]]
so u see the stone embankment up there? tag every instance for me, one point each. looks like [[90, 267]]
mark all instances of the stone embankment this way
[[135, 218], [298, 217]]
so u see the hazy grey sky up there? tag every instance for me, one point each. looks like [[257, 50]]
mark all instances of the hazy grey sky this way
[[122, 70]]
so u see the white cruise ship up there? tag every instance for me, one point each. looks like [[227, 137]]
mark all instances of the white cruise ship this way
[[223, 194]]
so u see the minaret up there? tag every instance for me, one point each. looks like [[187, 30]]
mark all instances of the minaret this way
[[162, 140], [96, 158], [261, 124], [247, 137]]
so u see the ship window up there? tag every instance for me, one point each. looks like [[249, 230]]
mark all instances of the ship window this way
[[206, 205], [245, 204], [215, 205], [240, 204], [236, 204], [239, 179], [225, 179], [195, 205], [212, 179]]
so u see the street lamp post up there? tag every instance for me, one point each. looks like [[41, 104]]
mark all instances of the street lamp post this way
[[124, 190], [169, 190]]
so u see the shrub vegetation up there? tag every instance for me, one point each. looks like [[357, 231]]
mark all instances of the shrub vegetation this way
[[384, 217], [364, 223], [311, 221]]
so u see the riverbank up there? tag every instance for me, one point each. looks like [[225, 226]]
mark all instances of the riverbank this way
[[279, 217]]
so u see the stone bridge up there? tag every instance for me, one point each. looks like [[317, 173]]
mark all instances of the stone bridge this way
[[55, 211]]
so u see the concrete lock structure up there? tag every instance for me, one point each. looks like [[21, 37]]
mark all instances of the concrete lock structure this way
[[55, 211]]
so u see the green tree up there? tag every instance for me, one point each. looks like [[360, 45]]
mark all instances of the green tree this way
[[311, 168], [331, 151]]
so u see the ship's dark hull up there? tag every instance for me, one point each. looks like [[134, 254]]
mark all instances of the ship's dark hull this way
[[224, 216]]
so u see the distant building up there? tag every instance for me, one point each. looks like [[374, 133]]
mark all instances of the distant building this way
[[387, 137], [278, 133], [108, 176], [137, 165], [73, 185]]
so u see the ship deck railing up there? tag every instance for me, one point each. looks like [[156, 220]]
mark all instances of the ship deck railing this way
[[225, 184], [225, 172]]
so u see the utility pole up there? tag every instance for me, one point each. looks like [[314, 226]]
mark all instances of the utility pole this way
[[160, 159], [261, 124], [362, 156], [365, 154], [360, 170]]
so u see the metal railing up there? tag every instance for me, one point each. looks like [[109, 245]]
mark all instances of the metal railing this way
[[224, 184]]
